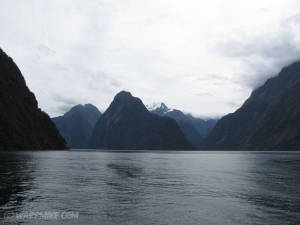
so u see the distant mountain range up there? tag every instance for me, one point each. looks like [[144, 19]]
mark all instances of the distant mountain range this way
[[268, 120], [23, 126], [194, 129], [127, 124], [77, 125]]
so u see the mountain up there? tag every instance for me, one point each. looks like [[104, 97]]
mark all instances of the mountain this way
[[268, 120], [77, 125], [184, 122], [127, 124], [195, 129], [203, 126], [22, 124], [158, 108]]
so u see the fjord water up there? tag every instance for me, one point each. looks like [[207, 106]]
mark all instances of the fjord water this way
[[151, 187]]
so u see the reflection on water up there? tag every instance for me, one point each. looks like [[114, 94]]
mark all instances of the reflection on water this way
[[153, 188], [15, 179], [125, 170], [278, 182]]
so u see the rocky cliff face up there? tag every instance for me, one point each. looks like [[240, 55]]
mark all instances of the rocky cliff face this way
[[268, 120], [77, 125], [22, 124], [127, 124]]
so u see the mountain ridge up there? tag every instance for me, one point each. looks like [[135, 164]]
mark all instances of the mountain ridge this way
[[268, 120], [127, 124], [77, 124], [23, 125], [195, 129]]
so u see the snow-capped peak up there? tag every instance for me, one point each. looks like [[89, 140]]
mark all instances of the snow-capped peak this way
[[154, 106], [158, 106]]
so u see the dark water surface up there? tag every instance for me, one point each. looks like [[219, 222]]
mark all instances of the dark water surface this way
[[150, 187]]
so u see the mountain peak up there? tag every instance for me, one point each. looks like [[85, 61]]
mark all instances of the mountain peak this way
[[91, 108], [158, 107], [193, 128], [89, 105], [268, 120], [82, 109], [127, 124], [77, 124], [124, 95], [124, 101]]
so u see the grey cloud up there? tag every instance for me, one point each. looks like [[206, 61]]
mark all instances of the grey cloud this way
[[45, 50], [115, 83], [234, 104], [99, 80], [266, 54], [62, 99], [62, 109], [63, 104], [213, 76], [203, 94], [85, 51]]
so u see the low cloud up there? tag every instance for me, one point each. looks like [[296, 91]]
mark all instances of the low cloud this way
[[63, 104], [203, 57], [264, 55]]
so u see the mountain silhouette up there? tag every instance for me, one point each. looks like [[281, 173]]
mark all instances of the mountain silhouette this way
[[23, 126], [127, 124], [268, 120], [77, 125]]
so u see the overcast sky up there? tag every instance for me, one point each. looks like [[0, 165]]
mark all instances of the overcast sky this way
[[202, 57]]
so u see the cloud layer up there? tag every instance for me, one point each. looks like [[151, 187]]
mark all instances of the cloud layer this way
[[203, 57]]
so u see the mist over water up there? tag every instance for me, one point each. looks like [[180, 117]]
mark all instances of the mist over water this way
[[151, 187]]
